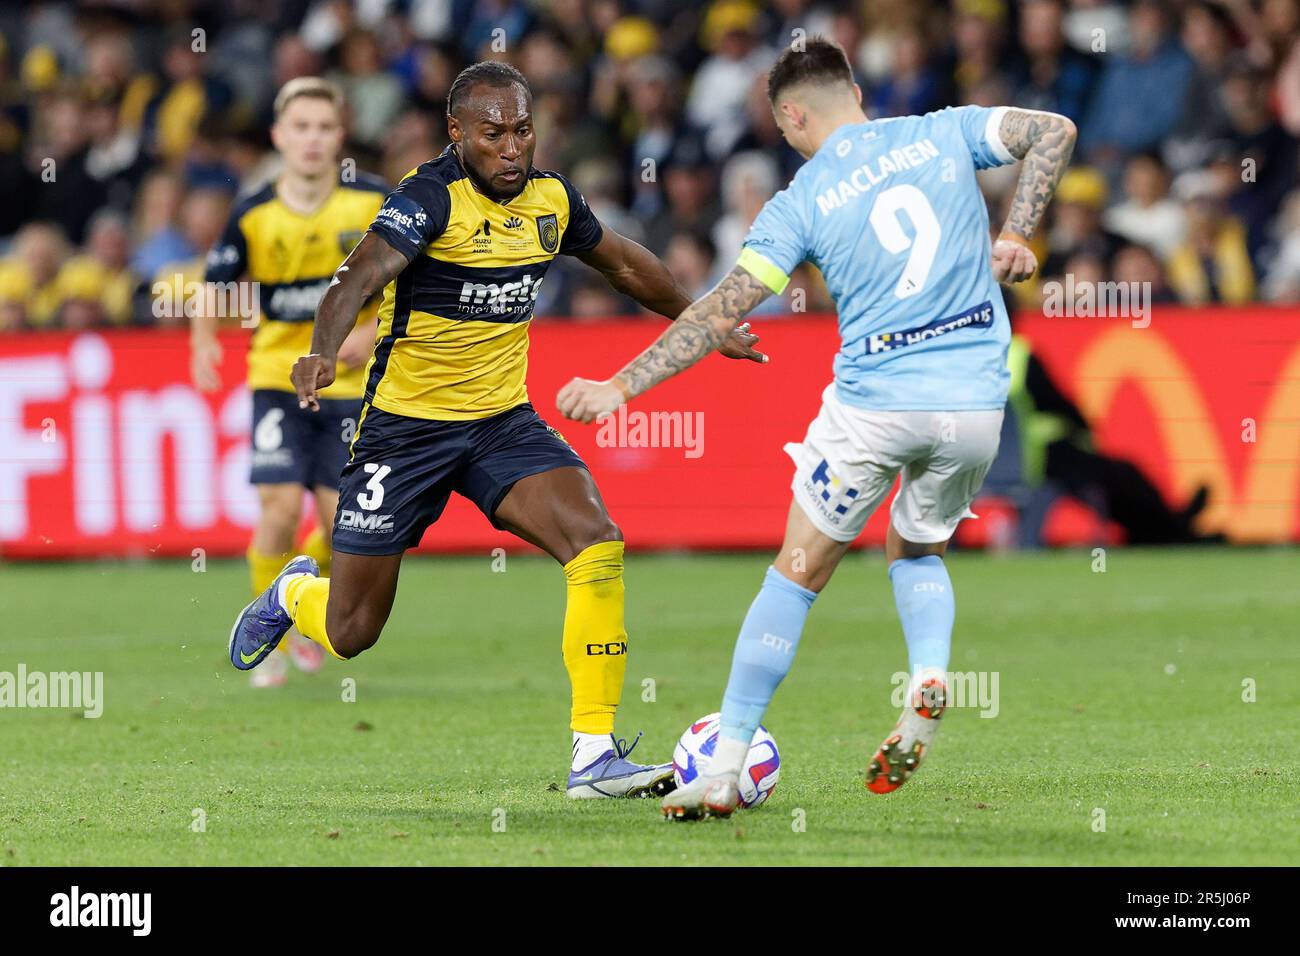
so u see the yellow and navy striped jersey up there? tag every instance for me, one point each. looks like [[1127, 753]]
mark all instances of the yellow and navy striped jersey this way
[[453, 325], [292, 257]]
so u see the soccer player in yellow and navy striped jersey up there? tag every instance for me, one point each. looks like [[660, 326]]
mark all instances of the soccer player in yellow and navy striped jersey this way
[[459, 249], [288, 238]]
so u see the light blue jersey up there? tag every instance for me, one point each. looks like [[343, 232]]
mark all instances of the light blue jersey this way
[[890, 212]]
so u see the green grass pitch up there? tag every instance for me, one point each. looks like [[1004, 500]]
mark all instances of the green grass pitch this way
[[1119, 692]]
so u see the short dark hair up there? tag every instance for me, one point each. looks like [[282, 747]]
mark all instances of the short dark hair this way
[[491, 72], [820, 61]]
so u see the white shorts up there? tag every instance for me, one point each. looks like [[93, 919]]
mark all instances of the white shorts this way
[[850, 457]]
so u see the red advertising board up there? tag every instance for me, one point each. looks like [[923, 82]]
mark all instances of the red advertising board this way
[[106, 449]]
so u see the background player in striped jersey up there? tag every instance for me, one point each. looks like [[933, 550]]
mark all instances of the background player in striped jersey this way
[[892, 214], [288, 237]]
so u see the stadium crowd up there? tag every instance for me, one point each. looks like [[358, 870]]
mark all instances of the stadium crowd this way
[[127, 128]]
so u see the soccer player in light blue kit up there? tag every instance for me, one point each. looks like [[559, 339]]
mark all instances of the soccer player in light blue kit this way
[[891, 213]]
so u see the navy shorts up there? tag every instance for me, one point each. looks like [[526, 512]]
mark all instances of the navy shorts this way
[[403, 470], [296, 445]]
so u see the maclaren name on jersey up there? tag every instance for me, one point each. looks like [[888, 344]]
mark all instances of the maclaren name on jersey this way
[[874, 172]]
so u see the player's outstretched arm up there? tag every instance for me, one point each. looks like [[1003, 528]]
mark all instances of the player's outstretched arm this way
[[370, 266], [1045, 141], [700, 329], [638, 273]]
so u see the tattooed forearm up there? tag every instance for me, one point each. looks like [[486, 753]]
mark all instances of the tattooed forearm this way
[[1044, 141], [697, 332]]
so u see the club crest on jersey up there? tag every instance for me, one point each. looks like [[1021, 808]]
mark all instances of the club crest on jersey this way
[[348, 240], [548, 232]]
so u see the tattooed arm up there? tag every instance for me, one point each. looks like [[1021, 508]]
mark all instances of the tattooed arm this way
[[1044, 141], [699, 330]]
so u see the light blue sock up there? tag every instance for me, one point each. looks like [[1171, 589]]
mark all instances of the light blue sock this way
[[923, 594], [764, 652]]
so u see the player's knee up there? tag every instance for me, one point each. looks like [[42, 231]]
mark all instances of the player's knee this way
[[598, 530], [352, 633]]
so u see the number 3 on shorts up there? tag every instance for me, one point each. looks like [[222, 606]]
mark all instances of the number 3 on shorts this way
[[375, 485]]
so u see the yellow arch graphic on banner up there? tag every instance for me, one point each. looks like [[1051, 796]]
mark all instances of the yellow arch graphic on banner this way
[[1266, 508]]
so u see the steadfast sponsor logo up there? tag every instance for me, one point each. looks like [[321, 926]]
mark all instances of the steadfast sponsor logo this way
[[367, 524], [980, 315], [74, 690], [412, 220], [875, 171], [486, 297], [75, 908]]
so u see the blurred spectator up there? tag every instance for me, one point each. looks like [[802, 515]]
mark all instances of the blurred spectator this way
[[374, 96], [654, 95], [1283, 282], [1155, 72], [1212, 264], [64, 190], [29, 288], [748, 182], [97, 287], [1096, 26], [1207, 37], [1076, 222], [158, 240], [716, 103], [978, 35], [1264, 160], [1147, 215], [1136, 264], [1050, 76], [172, 116], [912, 85], [690, 257], [688, 192]]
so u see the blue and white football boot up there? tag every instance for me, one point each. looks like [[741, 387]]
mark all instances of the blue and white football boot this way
[[262, 624], [613, 775]]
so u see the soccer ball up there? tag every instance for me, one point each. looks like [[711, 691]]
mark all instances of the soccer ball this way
[[762, 764]]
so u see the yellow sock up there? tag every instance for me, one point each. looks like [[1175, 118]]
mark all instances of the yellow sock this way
[[307, 597], [262, 569], [315, 546], [595, 642]]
